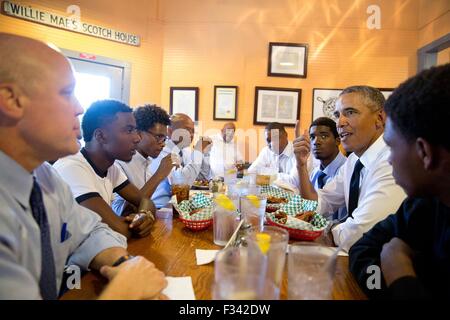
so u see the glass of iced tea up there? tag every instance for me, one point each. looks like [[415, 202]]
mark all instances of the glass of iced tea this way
[[180, 188]]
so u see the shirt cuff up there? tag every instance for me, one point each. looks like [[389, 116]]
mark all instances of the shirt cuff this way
[[99, 240]]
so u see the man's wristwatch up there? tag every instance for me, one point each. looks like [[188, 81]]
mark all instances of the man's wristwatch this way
[[122, 259]]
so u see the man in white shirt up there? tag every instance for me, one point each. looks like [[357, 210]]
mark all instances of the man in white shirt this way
[[364, 184], [109, 130], [224, 153], [42, 228], [151, 124], [278, 156], [181, 134]]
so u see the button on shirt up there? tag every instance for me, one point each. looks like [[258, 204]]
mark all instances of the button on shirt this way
[[223, 155], [379, 195], [138, 173], [77, 234], [192, 161]]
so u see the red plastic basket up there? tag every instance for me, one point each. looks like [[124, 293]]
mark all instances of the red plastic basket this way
[[196, 225], [297, 234]]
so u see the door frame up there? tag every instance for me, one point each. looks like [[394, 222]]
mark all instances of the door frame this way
[[126, 66], [427, 55]]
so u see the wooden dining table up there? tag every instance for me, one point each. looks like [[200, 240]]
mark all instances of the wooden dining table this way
[[171, 247]]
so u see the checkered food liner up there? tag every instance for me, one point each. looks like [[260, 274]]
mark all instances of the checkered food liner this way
[[190, 211], [276, 192], [292, 208]]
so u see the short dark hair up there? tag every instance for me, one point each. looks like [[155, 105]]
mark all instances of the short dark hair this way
[[419, 107], [327, 122], [275, 126], [372, 97], [99, 113], [148, 115]]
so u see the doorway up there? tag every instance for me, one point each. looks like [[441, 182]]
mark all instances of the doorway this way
[[99, 78]]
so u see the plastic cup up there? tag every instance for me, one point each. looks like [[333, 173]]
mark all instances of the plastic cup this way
[[272, 242], [311, 268]]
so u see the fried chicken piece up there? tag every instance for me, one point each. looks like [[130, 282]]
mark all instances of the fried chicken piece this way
[[305, 216], [281, 217], [272, 199]]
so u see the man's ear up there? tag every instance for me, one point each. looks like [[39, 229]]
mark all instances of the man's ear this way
[[426, 153], [11, 102], [100, 136], [381, 119]]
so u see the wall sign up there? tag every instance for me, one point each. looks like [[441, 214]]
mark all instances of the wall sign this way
[[68, 22]]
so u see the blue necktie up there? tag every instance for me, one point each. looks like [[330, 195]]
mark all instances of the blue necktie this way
[[321, 179], [47, 282], [354, 188]]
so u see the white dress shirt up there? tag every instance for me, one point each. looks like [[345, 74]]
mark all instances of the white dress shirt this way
[[138, 173], [223, 155], [282, 163], [379, 195], [190, 169]]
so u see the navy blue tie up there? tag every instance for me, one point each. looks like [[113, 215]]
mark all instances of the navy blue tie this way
[[354, 188], [321, 179], [47, 282]]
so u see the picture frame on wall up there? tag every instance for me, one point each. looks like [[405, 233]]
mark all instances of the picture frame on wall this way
[[324, 101], [277, 105], [184, 100], [225, 102], [287, 60]]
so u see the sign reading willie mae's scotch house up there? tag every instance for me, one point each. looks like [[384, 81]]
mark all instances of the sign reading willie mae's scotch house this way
[[68, 22]]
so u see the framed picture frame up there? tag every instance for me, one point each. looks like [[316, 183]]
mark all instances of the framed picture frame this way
[[287, 60], [277, 105], [184, 100], [225, 102], [324, 101]]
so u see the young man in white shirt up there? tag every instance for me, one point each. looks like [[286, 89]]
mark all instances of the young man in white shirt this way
[[224, 153], [364, 184], [109, 130], [278, 155], [181, 134], [42, 228], [151, 124]]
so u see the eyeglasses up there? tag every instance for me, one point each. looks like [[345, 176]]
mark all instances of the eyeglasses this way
[[158, 137]]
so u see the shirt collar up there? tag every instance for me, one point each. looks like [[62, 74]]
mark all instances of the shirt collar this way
[[288, 150], [16, 179], [141, 159], [370, 155], [91, 163], [333, 166]]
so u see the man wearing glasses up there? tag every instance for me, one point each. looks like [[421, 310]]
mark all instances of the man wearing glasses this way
[[109, 130], [151, 125]]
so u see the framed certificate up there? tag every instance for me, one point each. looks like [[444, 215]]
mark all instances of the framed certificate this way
[[277, 105], [225, 102], [287, 59], [184, 100]]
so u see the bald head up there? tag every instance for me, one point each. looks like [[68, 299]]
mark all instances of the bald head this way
[[24, 61], [38, 108], [181, 129], [228, 131]]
